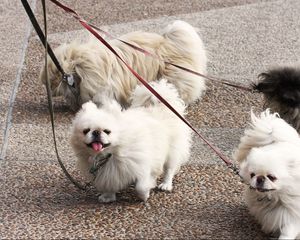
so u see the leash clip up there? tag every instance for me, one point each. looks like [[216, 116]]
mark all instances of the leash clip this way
[[235, 170], [69, 79]]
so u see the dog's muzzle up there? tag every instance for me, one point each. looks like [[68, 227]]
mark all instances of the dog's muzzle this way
[[97, 145]]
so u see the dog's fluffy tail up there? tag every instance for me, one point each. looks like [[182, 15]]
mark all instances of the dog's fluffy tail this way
[[184, 47], [142, 97], [266, 129]]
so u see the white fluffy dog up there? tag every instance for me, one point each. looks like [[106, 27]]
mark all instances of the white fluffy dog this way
[[97, 71], [269, 156], [142, 141]]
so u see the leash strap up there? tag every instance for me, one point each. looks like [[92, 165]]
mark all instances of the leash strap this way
[[50, 105], [41, 34], [91, 30]]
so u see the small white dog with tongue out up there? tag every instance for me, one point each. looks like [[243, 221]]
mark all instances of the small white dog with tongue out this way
[[142, 142]]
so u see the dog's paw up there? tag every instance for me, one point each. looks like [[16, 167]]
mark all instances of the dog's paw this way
[[165, 187], [107, 197], [144, 195]]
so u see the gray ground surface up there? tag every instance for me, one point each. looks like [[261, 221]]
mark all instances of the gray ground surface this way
[[242, 37]]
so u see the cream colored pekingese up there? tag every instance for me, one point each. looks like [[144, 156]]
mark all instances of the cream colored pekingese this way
[[269, 157], [98, 72], [142, 141]]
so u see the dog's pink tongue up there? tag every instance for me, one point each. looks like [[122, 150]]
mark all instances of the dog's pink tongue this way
[[97, 146]]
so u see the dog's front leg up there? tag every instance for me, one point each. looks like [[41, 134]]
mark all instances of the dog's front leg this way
[[166, 185], [143, 186], [107, 197]]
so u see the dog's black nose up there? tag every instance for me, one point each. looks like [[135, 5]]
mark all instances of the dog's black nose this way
[[96, 133], [260, 181]]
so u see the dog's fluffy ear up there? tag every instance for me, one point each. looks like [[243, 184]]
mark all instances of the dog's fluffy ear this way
[[89, 106], [107, 102], [113, 106]]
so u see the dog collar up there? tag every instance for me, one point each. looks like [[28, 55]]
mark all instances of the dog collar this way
[[98, 162], [264, 198]]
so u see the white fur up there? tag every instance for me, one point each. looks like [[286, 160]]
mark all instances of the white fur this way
[[271, 148], [101, 73], [144, 142]]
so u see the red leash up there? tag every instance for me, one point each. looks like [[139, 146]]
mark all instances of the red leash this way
[[86, 25]]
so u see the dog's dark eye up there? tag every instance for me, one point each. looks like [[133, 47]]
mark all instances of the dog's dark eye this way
[[271, 177], [107, 131], [252, 175], [85, 131]]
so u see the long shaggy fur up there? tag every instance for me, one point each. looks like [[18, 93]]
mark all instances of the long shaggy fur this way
[[269, 160], [281, 89], [98, 71], [144, 141]]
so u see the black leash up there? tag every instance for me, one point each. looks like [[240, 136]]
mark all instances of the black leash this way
[[41, 35], [50, 105], [66, 78], [48, 50]]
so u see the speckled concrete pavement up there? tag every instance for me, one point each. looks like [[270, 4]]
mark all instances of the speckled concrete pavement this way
[[243, 38]]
